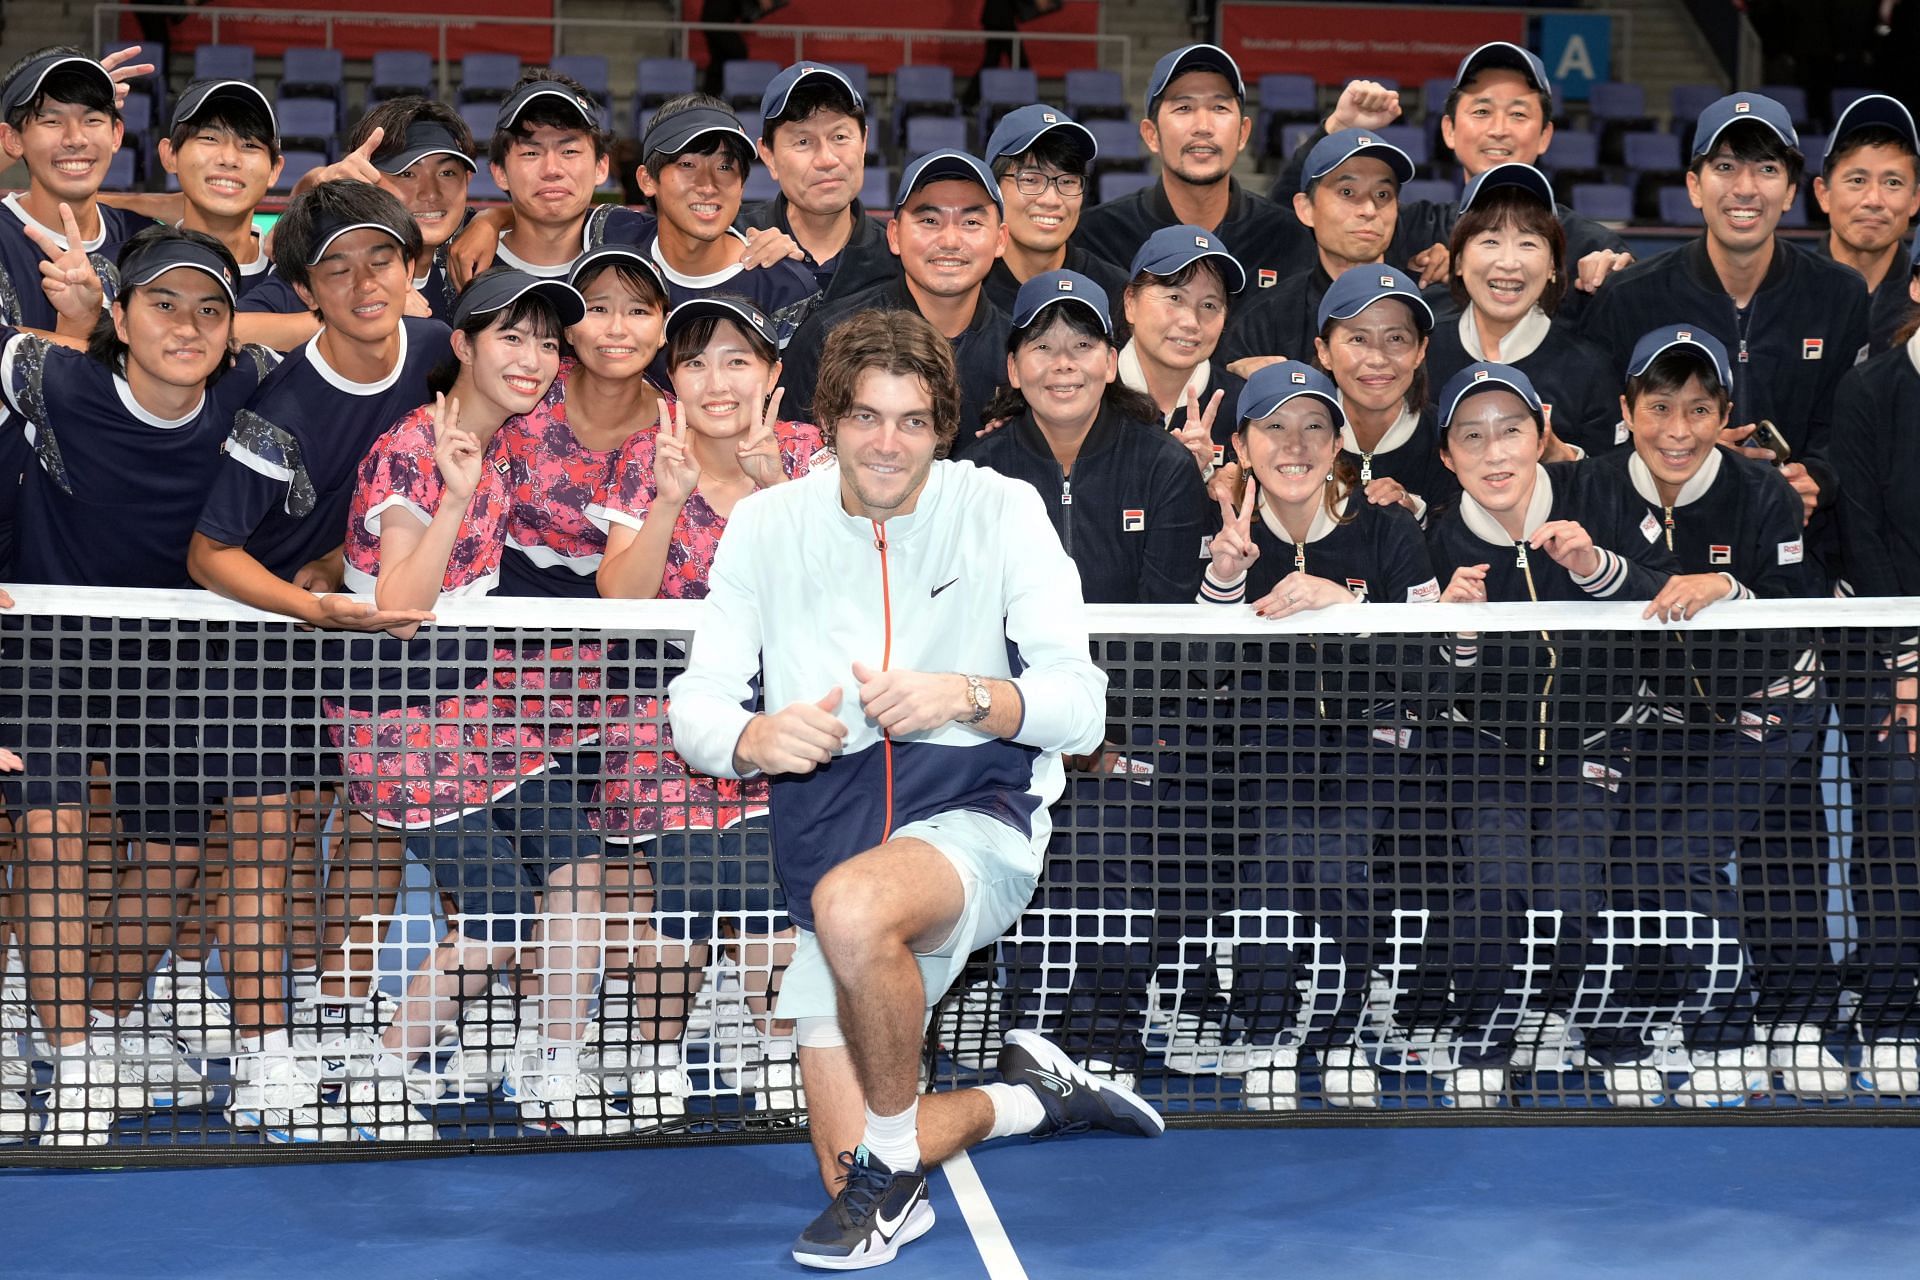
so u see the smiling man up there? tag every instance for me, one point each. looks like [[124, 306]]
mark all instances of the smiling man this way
[[1196, 122], [1794, 322], [1044, 160], [1870, 191]]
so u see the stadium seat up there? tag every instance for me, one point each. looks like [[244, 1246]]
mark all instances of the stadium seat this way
[[1616, 109], [1573, 158], [154, 86], [223, 62], [1814, 147], [297, 164], [1285, 100], [1795, 214], [1676, 208], [480, 117], [487, 77], [1688, 101], [119, 171], [1119, 144], [752, 121], [313, 73], [137, 116], [760, 185], [1410, 138], [1433, 98], [1793, 98], [309, 124], [1292, 135], [1094, 94], [876, 189], [1647, 151], [1603, 201], [657, 79], [399, 72], [931, 133], [1438, 190], [483, 187], [921, 91], [1121, 182], [856, 74], [743, 82], [1001, 90]]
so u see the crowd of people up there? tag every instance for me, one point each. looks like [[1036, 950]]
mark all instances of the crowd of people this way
[[1204, 395]]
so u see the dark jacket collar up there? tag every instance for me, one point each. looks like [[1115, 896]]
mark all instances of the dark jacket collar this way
[[1100, 436], [1162, 208], [1700, 266]]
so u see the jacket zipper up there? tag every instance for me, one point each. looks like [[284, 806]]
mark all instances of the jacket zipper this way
[[1300, 566], [1066, 512], [1553, 656], [886, 659]]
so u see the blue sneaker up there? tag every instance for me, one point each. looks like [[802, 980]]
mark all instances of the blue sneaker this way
[[875, 1213], [1076, 1100]]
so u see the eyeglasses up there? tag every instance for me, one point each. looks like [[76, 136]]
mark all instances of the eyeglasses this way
[[1031, 182]]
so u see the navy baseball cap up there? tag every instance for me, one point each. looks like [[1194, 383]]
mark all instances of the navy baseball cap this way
[[773, 103], [1173, 249], [1360, 287], [497, 289], [678, 132], [1020, 129], [1193, 57], [424, 138], [1726, 112], [26, 83], [202, 92], [626, 255], [1504, 53], [723, 306], [546, 91], [1486, 376], [1522, 176], [1336, 149], [938, 166], [156, 259], [1867, 112], [1060, 289], [1648, 349], [1273, 386]]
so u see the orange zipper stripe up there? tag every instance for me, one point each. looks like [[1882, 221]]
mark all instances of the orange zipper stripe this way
[[886, 659]]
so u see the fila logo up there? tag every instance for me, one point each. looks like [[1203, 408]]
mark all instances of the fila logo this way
[[1719, 553], [1810, 348], [1133, 520], [1359, 588], [1268, 277], [1066, 286], [1049, 117], [1480, 375], [1683, 335], [501, 466], [1742, 108], [1200, 242], [1299, 376], [1388, 282], [1363, 141], [1219, 454]]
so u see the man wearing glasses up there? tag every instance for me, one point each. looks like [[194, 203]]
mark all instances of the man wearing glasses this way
[[1042, 158]]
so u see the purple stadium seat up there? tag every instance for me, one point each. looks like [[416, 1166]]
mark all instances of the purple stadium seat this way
[[876, 189], [921, 91], [1412, 139], [1614, 100], [1651, 152], [1604, 201], [1840, 99], [1792, 97], [488, 77], [309, 124], [137, 115], [1091, 94], [400, 72], [744, 81], [931, 133], [312, 73], [657, 79], [590, 69], [760, 185], [1120, 182], [1433, 97], [1119, 143], [483, 187], [480, 117], [1290, 97], [1676, 208], [1689, 100], [1438, 190], [153, 86], [297, 164], [119, 171], [223, 62], [1573, 149]]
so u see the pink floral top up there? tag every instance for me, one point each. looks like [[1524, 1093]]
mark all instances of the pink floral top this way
[[399, 471], [696, 535]]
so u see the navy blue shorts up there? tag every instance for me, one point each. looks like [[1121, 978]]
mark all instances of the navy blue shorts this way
[[704, 877]]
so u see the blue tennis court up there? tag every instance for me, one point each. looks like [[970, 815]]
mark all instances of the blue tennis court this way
[[1349, 1202]]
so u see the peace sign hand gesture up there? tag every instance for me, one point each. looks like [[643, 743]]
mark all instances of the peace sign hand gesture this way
[[455, 452], [67, 276], [1196, 433], [760, 452], [675, 470], [123, 75], [1233, 547]]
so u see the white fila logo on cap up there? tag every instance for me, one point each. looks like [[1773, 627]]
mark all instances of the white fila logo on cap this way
[[1683, 335], [1066, 286], [1363, 141], [1742, 108], [1386, 282], [1480, 375], [1300, 376], [1200, 242], [1049, 117]]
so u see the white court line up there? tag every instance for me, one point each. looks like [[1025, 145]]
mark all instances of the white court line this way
[[989, 1237]]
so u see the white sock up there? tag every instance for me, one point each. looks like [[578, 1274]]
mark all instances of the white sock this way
[[273, 1042], [390, 1064], [1016, 1109], [101, 1020], [895, 1140], [70, 1063], [188, 968]]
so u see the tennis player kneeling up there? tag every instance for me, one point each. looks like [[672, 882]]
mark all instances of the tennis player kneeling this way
[[923, 651]]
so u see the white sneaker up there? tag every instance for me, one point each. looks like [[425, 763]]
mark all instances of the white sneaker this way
[[1347, 1079], [563, 1103], [200, 1019], [1805, 1067], [1891, 1068], [1106, 1071], [775, 1084], [18, 1120], [278, 1096], [657, 1087], [968, 1029], [381, 1108], [148, 1070], [1725, 1077], [1474, 1087], [1635, 1084], [328, 1031], [1191, 1045], [489, 1030], [1271, 1080], [81, 1110], [721, 998], [1541, 1042]]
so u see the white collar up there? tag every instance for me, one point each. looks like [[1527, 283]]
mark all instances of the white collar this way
[[1913, 350], [545, 270], [1485, 526], [341, 382], [1692, 491], [712, 280], [1135, 377], [1396, 435], [258, 264], [143, 414], [19, 211], [1324, 522], [1521, 341]]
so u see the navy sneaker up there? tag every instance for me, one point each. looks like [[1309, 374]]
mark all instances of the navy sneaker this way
[[1076, 1100], [875, 1213]]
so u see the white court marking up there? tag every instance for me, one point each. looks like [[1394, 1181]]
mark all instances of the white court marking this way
[[989, 1237]]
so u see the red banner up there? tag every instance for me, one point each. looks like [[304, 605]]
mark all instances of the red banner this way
[[880, 52], [1338, 43], [389, 24]]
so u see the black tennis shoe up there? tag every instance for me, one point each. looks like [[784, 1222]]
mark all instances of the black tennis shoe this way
[[1076, 1100], [875, 1213]]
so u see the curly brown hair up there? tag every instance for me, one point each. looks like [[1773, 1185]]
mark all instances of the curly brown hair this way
[[891, 342]]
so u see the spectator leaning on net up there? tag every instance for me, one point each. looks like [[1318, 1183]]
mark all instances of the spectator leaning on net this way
[[813, 140], [1349, 198], [1196, 122], [1535, 802], [1500, 112], [1507, 249], [948, 230], [1792, 321], [1044, 161], [134, 426], [1869, 188], [920, 839], [1124, 497]]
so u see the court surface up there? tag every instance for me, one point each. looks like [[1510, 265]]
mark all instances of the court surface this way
[[1352, 1203]]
